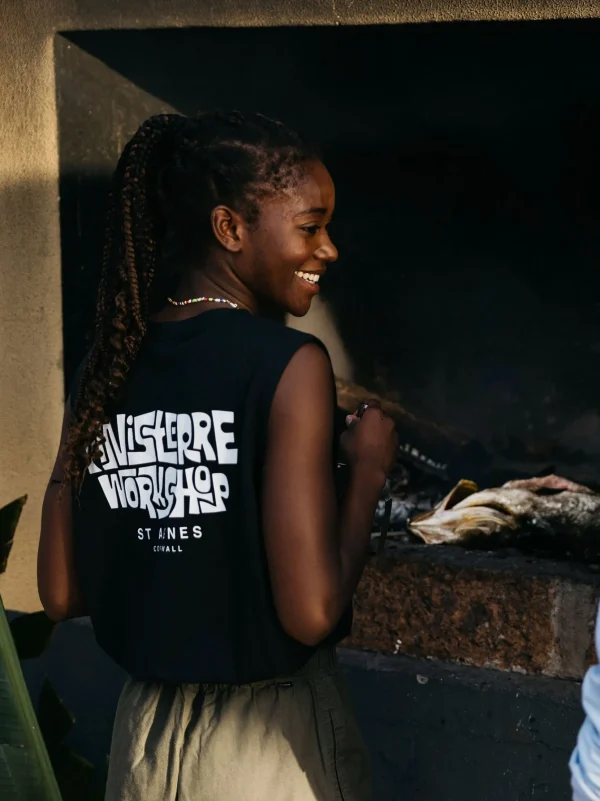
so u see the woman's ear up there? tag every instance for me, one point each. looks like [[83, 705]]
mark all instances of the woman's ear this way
[[229, 228]]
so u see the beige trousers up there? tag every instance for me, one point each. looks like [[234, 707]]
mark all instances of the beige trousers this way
[[290, 739]]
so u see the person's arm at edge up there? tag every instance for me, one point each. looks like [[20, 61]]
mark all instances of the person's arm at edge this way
[[57, 582]]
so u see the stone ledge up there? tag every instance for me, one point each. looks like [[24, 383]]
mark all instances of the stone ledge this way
[[494, 610]]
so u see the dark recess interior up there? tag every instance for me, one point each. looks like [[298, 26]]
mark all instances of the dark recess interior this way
[[466, 163]]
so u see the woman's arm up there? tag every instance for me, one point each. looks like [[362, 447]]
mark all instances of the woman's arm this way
[[57, 584], [316, 551]]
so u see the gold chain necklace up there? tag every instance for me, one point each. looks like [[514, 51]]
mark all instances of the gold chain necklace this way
[[202, 300]]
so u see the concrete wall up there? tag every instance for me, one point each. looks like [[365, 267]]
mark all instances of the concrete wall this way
[[30, 282]]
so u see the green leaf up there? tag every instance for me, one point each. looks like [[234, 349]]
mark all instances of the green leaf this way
[[9, 517], [25, 770], [54, 718], [32, 634]]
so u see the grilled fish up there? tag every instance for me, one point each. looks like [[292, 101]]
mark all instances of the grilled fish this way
[[544, 518]]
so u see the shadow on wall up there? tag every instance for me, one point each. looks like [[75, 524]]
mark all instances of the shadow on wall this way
[[83, 209]]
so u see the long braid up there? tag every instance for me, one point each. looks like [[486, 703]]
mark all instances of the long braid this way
[[170, 176], [129, 263]]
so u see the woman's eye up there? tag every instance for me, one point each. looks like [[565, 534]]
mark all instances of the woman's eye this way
[[311, 229]]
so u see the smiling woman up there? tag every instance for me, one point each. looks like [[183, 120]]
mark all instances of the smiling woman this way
[[277, 261], [206, 541]]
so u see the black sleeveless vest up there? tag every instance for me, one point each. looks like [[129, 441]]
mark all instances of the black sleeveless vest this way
[[167, 526]]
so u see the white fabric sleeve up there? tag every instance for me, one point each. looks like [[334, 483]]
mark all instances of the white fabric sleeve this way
[[585, 760]]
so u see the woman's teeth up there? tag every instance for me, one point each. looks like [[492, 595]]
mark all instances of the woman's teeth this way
[[312, 277]]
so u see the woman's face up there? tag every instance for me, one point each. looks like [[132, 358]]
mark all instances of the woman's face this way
[[290, 249]]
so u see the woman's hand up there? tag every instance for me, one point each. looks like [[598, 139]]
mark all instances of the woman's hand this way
[[370, 440]]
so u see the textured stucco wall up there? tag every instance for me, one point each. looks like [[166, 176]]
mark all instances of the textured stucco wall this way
[[30, 301]]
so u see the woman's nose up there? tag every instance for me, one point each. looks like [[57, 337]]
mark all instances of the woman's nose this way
[[327, 251]]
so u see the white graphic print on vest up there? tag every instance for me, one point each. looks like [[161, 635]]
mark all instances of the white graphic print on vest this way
[[161, 462]]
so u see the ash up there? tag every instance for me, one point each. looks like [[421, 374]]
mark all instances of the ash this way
[[412, 492]]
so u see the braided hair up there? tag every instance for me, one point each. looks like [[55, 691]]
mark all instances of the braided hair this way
[[171, 175]]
